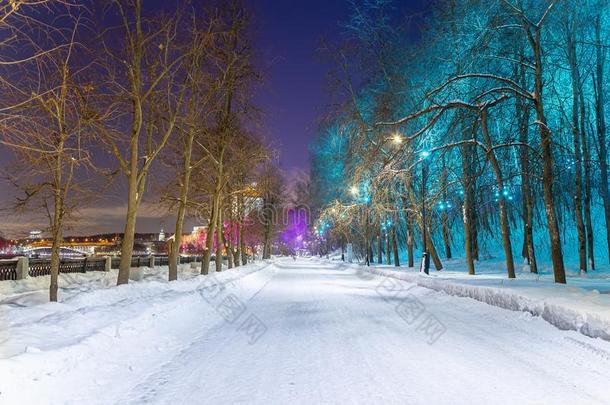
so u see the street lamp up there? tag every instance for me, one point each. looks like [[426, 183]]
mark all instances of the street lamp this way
[[397, 139], [425, 261], [354, 191]]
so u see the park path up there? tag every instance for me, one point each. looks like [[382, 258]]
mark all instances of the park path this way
[[314, 332]]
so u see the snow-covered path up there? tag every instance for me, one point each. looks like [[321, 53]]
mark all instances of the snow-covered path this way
[[315, 332], [335, 336]]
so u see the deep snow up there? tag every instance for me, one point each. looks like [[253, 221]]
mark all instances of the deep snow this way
[[327, 333]]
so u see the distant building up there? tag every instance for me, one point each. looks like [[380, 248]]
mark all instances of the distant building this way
[[198, 230], [103, 244]]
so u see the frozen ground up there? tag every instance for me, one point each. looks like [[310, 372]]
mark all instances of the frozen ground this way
[[289, 332]]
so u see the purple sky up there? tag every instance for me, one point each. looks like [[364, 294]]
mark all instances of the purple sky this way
[[289, 35], [294, 97]]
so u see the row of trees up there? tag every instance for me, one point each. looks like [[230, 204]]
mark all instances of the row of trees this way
[[95, 92], [494, 120]]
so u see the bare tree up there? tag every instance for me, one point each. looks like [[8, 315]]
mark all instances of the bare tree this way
[[202, 85], [233, 60], [144, 84], [50, 133]]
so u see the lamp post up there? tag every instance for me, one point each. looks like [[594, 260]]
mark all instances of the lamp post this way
[[425, 261]]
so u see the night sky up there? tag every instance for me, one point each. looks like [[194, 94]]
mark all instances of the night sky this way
[[292, 98]]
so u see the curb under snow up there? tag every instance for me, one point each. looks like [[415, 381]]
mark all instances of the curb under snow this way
[[593, 321]]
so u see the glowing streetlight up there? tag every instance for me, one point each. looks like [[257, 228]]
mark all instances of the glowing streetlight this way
[[397, 139], [354, 190]]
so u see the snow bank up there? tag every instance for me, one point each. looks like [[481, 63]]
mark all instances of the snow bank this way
[[88, 303], [564, 306]]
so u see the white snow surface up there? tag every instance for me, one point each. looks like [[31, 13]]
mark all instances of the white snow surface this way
[[578, 306], [333, 334]]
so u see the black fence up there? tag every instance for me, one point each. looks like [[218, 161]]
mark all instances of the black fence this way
[[42, 267], [139, 261], [161, 260], [8, 270], [190, 259]]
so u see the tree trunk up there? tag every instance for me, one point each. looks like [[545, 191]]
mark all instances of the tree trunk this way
[[444, 217], [410, 246], [55, 258], [466, 217], [395, 248], [438, 265], [235, 247], [409, 225], [368, 246], [238, 248], [600, 122], [388, 253], [446, 234], [508, 250], [133, 195], [242, 245], [128, 235], [474, 222], [527, 196], [229, 252], [410, 240], [469, 154], [587, 172], [209, 237], [522, 112], [236, 256], [267, 232], [531, 254], [578, 209], [174, 251], [219, 242], [379, 248], [547, 165], [57, 220], [226, 243]]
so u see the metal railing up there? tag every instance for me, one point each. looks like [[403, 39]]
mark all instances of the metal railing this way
[[161, 260], [42, 267], [190, 259], [8, 270]]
